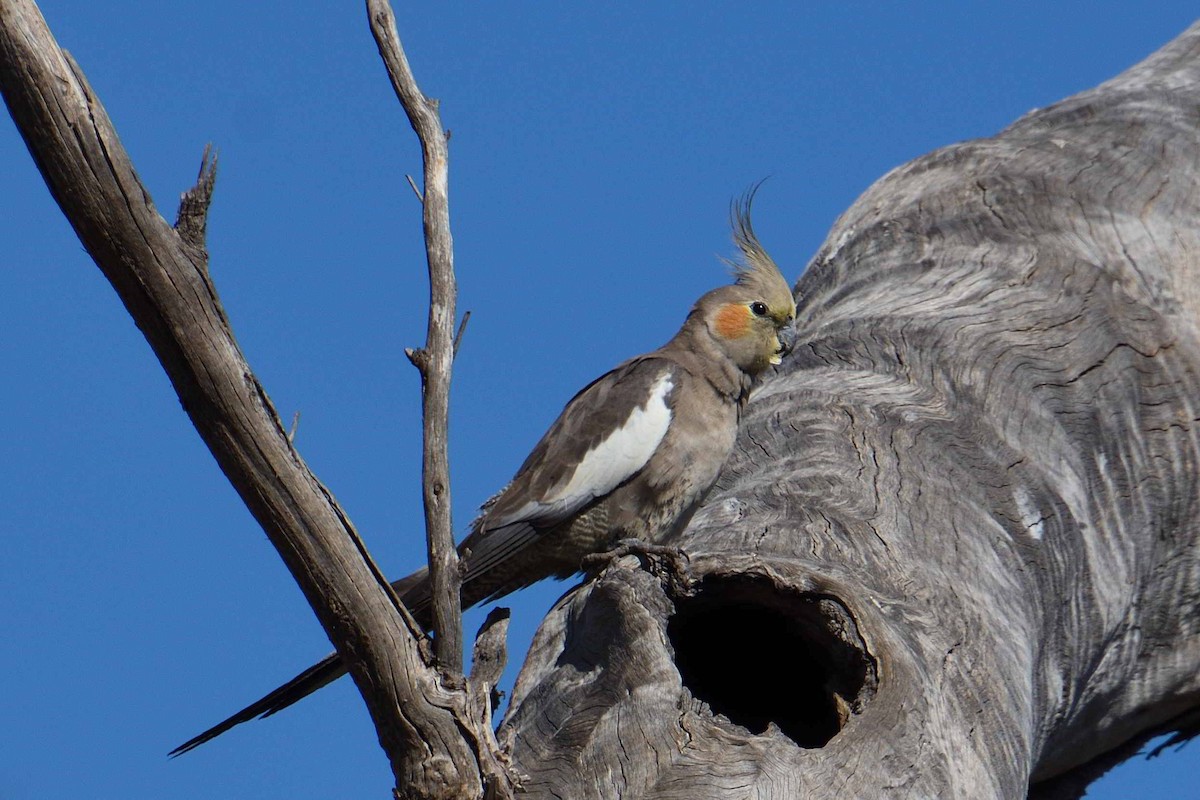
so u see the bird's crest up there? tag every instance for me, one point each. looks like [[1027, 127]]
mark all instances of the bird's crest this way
[[753, 268]]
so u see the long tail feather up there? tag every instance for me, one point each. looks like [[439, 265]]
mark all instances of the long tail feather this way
[[315, 677], [413, 590], [485, 577]]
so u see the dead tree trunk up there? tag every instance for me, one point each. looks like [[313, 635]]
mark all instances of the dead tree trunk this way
[[955, 553]]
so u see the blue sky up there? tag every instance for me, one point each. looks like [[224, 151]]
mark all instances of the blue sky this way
[[595, 149]]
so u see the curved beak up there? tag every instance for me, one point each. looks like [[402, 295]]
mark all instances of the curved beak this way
[[787, 339]]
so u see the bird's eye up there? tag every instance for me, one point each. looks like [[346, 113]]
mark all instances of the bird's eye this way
[[758, 308]]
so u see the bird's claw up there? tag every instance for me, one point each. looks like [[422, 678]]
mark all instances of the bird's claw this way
[[670, 564]]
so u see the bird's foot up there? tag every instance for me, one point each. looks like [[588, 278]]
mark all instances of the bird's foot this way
[[669, 564]]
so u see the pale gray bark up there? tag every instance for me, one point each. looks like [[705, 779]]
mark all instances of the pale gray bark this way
[[955, 552], [435, 360], [436, 733]]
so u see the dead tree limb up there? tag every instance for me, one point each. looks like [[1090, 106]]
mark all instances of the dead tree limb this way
[[161, 274], [436, 359], [956, 552]]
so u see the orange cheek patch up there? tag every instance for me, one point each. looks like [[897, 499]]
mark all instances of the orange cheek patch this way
[[733, 321]]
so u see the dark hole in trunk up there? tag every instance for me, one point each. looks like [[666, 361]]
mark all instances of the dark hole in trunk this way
[[759, 654]]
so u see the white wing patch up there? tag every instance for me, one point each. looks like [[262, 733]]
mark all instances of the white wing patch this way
[[621, 453]]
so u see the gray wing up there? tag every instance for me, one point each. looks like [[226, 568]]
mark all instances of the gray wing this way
[[605, 436]]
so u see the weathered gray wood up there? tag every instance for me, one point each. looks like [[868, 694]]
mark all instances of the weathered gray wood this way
[[430, 732], [436, 359], [975, 484], [960, 525]]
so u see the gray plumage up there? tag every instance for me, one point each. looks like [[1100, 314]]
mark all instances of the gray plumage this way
[[631, 456]]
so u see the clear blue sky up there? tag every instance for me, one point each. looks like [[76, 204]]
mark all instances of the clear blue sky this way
[[594, 154]]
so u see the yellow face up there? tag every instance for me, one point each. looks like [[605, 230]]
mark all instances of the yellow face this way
[[753, 320], [757, 334]]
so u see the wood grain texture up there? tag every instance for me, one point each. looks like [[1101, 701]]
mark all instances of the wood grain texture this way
[[436, 359], [161, 274], [984, 449]]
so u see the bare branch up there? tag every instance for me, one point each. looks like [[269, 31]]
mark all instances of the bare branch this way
[[487, 665], [490, 653], [434, 361], [160, 273]]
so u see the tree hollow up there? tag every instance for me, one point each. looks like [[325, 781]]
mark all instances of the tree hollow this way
[[793, 659]]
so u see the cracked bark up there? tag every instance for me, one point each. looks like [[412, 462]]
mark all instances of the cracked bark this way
[[955, 553], [438, 738], [435, 360]]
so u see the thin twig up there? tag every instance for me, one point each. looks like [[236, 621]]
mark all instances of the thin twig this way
[[415, 188], [435, 359], [462, 328], [160, 274]]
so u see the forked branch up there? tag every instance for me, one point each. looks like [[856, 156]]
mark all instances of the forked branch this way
[[161, 274]]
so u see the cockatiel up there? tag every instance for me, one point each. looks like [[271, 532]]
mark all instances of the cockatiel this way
[[631, 456]]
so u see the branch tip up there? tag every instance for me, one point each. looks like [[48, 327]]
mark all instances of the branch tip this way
[[462, 328], [191, 220], [416, 189]]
